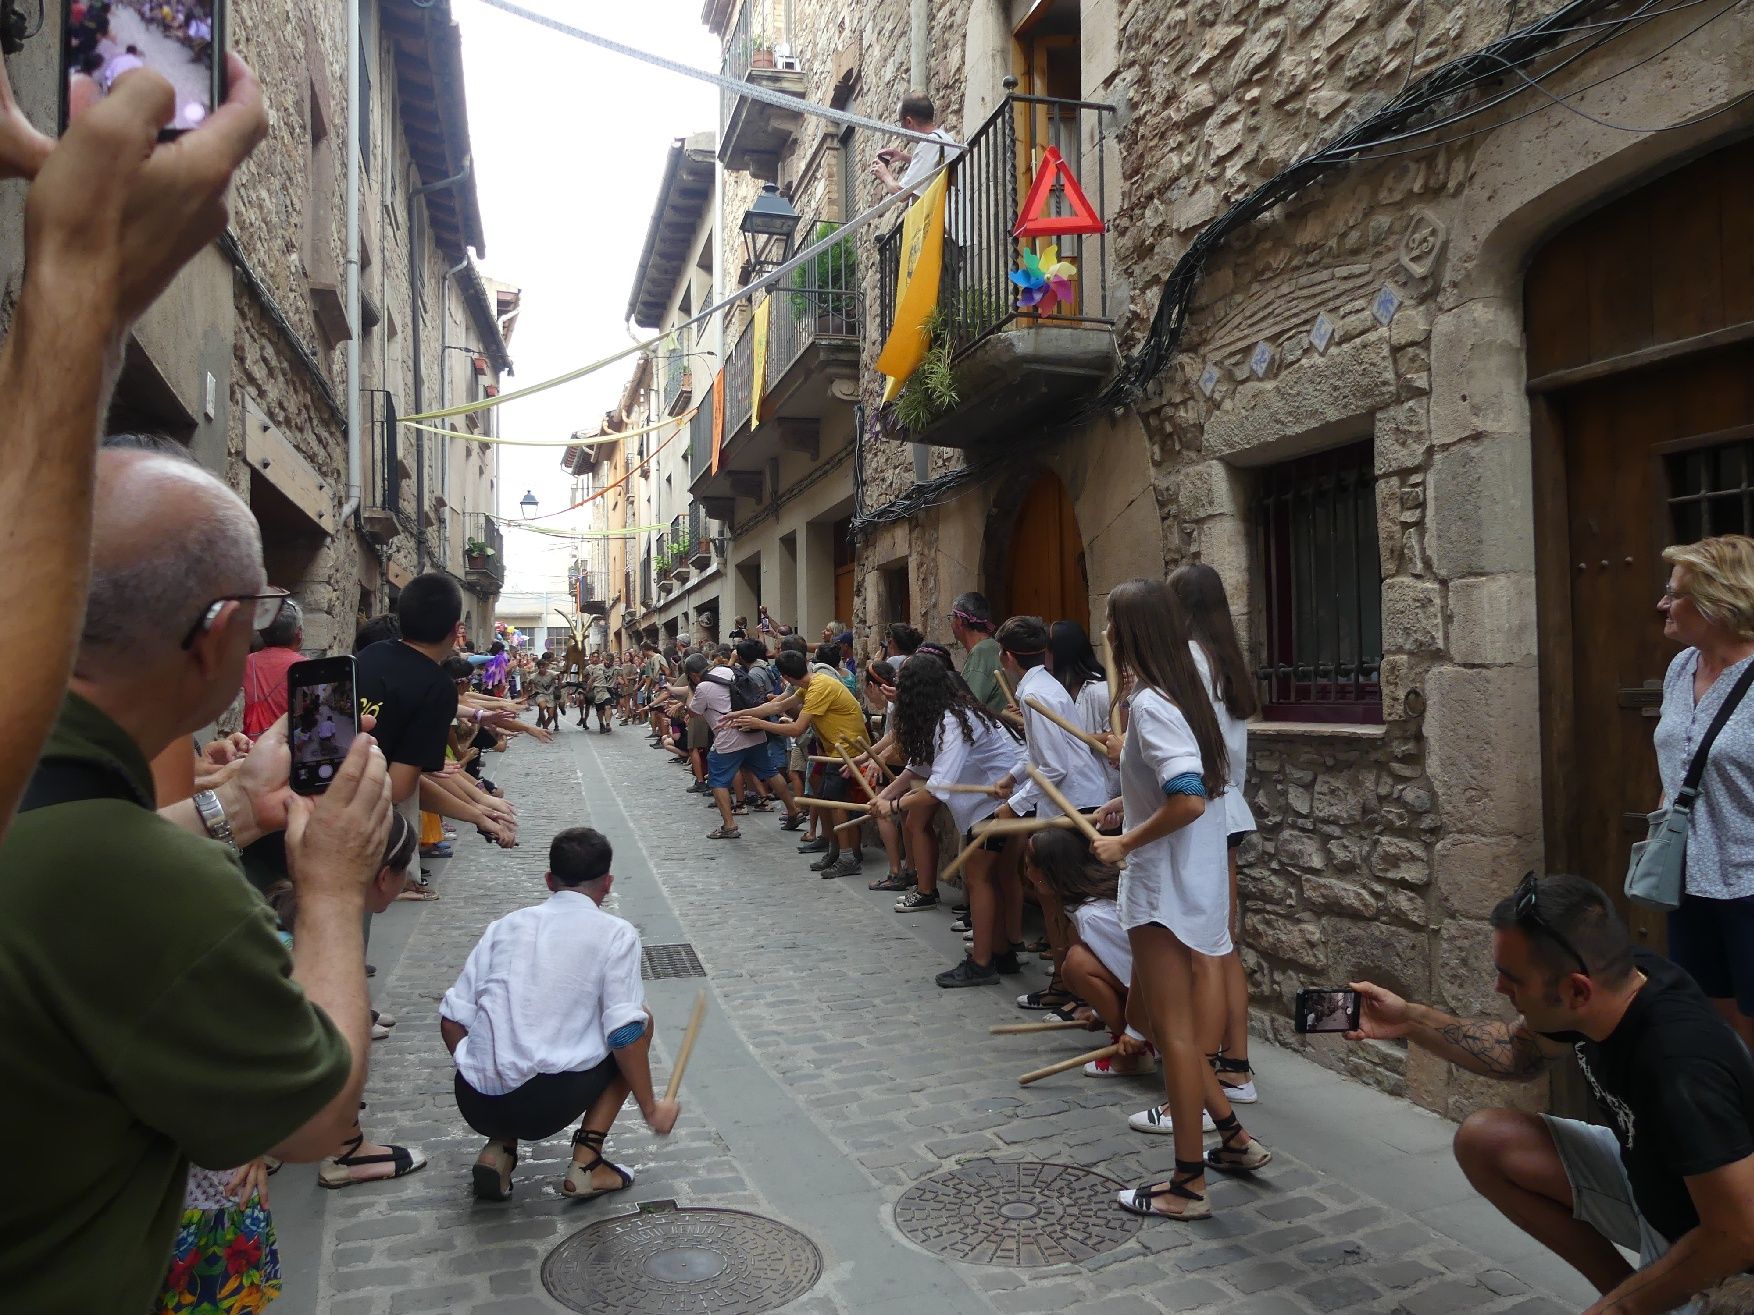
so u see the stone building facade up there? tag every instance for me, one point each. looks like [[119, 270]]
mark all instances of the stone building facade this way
[[1429, 336], [244, 359]]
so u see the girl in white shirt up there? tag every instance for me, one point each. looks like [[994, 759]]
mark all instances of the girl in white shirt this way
[[1200, 590], [1174, 897], [1077, 668], [948, 737]]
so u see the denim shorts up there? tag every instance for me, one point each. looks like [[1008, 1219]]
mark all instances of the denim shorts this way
[[722, 768], [1601, 1193]]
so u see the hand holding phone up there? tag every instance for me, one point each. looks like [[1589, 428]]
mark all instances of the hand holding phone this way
[[322, 720], [1326, 1009], [183, 41]]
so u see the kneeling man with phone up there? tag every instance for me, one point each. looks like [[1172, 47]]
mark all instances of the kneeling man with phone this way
[[1671, 1175]]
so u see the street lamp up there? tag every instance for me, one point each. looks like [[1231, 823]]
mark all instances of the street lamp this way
[[768, 227], [527, 504]]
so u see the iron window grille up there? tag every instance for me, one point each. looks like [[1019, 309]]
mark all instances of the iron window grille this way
[[1711, 491], [1322, 588]]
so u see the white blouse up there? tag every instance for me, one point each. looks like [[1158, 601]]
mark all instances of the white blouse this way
[[988, 759]]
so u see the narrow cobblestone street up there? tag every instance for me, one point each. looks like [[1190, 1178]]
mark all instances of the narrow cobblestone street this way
[[830, 1077]]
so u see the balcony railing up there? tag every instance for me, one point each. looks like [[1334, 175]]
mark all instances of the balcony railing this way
[[700, 437], [678, 382], [483, 550], [819, 300], [661, 557], [976, 297], [761, 27], [681, 537], [647, 591], [739, 381], [700, 548]]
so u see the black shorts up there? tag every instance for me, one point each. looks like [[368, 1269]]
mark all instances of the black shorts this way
[[1713, 939], [540, 1108], [992, 844], [1235, 838]]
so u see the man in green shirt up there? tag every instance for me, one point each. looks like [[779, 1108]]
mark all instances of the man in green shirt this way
[[971, 621], [149, 1014]]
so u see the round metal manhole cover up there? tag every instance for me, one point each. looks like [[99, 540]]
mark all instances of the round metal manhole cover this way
[[683, 1262], [1015, 1214]]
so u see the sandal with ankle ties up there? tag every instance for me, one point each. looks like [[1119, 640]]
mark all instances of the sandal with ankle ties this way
[[1142, 1200], [1226, 1158], [578, 1177]]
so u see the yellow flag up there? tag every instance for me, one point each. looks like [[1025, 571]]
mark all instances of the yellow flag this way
[[916, 290], [759, 331]]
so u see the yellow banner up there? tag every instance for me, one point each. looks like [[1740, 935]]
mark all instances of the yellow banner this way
[[916, 291], [759, 332]]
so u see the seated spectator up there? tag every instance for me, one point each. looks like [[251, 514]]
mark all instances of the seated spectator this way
[[548, 1024]]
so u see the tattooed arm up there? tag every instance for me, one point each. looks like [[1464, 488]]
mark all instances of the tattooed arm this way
[[1490, 1047]]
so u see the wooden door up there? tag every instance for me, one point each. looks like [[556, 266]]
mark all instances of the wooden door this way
[[843, 571], [1047, 572], [1651, 458]]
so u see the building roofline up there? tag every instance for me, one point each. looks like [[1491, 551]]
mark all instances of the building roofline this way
[[685, 197], [428, 49]]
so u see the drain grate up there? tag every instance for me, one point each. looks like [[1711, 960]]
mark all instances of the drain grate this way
[[726, 1262], [1018, 1214], [659, 961]]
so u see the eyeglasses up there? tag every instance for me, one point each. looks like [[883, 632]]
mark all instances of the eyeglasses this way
[[268, 607], [1527, 910], [1671, 593]]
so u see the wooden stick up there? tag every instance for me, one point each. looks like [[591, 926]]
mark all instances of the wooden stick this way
[[1020, 1029], [1077, 1061], [1004, 684], [687, 1048], [882, 767], [1018, 826], [972, 789], [850, 823], [944, 874], [1114, 680], [1093, 741], [1052, 791], [845, 805], [857, 775], [823, 758]]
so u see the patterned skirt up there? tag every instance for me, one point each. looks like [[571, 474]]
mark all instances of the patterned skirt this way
[[225, 1261]]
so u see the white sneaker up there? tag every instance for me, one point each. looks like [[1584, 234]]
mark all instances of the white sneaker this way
[[1156, 1119], [380, 1032], [1243, 1095], [1106, 1068]]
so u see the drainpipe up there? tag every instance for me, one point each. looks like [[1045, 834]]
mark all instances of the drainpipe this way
[[919, 29], [445, 371], [414, 263], [356, 328]]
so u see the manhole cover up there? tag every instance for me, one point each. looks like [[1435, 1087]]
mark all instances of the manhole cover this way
[[1016, 1214], [685, 1262], [660, 961]]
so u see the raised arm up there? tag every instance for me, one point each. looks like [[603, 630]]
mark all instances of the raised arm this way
[[1491, 1047]]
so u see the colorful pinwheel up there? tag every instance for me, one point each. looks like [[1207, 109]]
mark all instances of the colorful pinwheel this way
[[1045, 279]]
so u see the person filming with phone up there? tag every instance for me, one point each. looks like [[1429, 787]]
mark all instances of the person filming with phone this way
[[150, 1015], [1671, 1174]]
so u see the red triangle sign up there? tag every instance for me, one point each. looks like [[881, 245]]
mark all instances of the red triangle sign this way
[[1031, 222]]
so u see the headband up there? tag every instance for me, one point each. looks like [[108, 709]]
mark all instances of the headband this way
[[970, 620]]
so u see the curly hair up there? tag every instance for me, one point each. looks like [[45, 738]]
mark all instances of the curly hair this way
[[924, 692]]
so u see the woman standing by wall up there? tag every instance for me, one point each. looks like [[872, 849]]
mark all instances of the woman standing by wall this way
[[1708, 607]]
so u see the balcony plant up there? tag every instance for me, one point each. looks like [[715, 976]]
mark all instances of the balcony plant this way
[[476, 554], [827, 287], [931, 392], [761, 50]]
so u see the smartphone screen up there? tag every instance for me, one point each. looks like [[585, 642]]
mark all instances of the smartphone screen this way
[[182, 40], [322, 719], [1326, 1011]]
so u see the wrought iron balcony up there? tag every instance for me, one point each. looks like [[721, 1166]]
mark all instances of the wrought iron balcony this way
[[700, 437], [678, 382], [758, 49], [483, 551], [1014, 359]]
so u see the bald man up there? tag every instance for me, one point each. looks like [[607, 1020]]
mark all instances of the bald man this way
[[149, 1014]]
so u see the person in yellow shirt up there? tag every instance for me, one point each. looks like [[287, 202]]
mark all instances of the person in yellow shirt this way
[[817, 700]]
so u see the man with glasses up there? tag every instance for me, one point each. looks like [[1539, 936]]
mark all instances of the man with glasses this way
[[149, 1014], [1671, 1175]]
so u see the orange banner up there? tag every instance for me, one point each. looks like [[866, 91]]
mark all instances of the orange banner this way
[[718, 418]]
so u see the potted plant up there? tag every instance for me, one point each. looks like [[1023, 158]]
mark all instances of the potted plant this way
[[827, 287], [476, 553], [761, 51]]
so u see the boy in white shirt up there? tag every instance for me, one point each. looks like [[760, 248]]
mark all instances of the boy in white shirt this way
[[548, 1024]]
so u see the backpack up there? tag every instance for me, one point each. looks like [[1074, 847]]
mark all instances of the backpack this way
[[746, 691]]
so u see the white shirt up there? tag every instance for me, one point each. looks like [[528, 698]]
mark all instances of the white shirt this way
[[1099, 927], [924, 158], [1060, 757], [542, 990], [1238, 817], [1092, 703], [1181, 880], [991, 757]]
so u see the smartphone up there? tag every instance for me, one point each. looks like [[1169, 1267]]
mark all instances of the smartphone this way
[[322, 711], [182, 40], [1326, 1009]]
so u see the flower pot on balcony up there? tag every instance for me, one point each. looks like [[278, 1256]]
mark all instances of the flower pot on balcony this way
[[761, 59], [475, 561]]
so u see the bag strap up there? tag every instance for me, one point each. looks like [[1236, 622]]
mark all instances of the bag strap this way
[[1696, 769], [69, 780]]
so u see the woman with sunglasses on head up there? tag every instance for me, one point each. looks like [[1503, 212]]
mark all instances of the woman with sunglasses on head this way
[[1174, 896], [1218, 654]]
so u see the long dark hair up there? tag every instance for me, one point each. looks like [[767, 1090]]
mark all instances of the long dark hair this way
[[924, 692], [1149, 635], [1075, 664], [1200, 590], [1074, 875]]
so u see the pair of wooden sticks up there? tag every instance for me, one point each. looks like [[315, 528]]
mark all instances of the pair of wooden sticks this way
[[1060, 1066]]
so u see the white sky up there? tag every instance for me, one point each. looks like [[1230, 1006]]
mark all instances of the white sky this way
[[569, 144]]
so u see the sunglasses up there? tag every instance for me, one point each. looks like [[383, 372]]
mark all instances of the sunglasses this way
[[268, 607], [1527, 910]]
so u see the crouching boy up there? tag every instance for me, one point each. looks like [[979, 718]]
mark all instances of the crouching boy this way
[[548, 1026]]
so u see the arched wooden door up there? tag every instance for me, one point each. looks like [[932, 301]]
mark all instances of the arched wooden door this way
[[1047, 577]]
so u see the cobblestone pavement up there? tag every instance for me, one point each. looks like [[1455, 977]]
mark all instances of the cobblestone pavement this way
[[832, 1076]]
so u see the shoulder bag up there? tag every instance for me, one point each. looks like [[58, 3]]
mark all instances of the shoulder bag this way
[[1656, 874]]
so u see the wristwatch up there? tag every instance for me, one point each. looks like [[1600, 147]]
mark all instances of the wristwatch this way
[[212, 814]]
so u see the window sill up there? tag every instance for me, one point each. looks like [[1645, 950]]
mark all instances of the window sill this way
[[1333, 730]]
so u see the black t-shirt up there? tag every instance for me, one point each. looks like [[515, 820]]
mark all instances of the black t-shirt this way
[[1677, 1087], [412, 698]]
